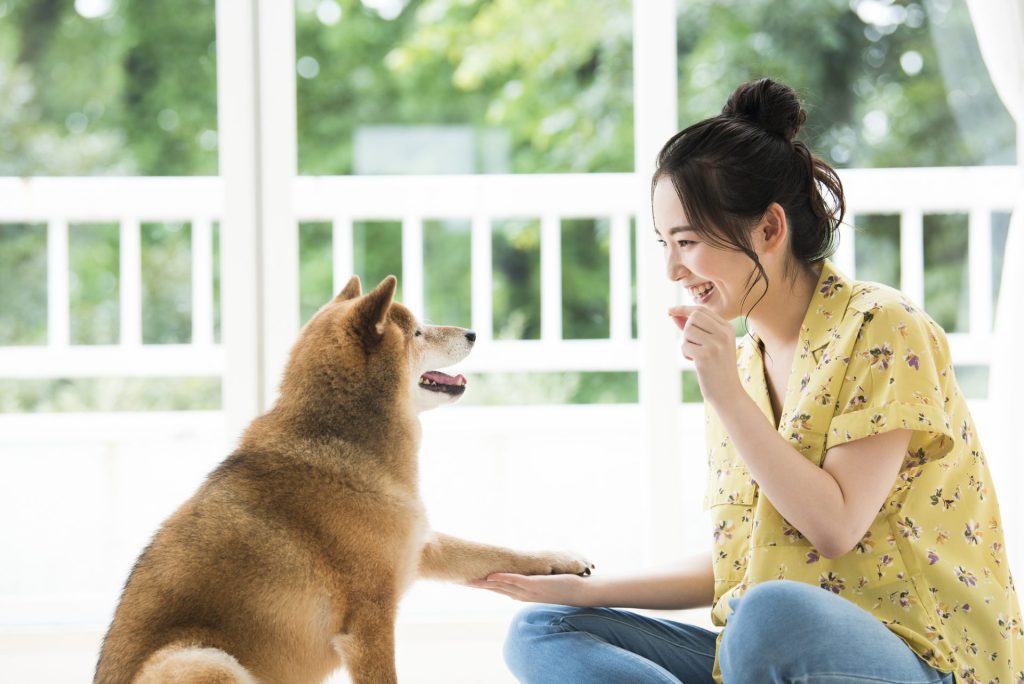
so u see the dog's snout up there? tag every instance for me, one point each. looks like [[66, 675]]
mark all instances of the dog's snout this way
[[471, 336]]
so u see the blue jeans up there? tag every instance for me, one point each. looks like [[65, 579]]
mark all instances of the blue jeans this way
[[780, 631]]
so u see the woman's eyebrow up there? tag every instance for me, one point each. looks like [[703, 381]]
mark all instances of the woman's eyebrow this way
[[677, 229]]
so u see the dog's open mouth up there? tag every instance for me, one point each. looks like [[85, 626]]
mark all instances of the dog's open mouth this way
[[436, 381]]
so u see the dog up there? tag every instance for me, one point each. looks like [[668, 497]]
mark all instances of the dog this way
[[290, 559]]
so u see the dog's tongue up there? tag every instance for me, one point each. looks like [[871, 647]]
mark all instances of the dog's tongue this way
[[444, 378]]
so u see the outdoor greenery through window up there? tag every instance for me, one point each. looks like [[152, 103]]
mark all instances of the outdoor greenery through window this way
[[126, 87]]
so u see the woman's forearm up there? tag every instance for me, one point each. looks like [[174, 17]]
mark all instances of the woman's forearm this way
[[691, 585]]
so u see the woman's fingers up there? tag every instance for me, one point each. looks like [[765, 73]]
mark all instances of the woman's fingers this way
[[680, 314]]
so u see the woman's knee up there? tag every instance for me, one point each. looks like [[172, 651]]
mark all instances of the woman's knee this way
[[526, 630], [761, 626], [781, 603]]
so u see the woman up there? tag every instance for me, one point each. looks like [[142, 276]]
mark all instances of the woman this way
[[856, 533]]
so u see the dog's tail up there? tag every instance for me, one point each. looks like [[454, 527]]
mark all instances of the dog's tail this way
[[189, 664]]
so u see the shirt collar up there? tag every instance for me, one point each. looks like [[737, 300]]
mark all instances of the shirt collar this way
[[828, 304], [825, 310], [827, 307]]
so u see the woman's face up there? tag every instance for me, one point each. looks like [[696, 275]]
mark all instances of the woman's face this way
[[714, 277]]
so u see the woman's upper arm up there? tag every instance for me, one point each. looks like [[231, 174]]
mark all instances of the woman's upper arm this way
[[865, 470]]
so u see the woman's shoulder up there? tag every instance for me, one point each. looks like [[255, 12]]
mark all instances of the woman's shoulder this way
[[886, 309], [871, 297]]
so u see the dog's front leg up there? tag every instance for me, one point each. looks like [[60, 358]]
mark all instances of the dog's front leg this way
[[367, 642], [448, 558]]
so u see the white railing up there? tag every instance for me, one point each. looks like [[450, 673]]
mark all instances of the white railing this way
[[61, 202]]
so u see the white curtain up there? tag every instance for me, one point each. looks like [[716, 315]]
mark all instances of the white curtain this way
[[999, 25]]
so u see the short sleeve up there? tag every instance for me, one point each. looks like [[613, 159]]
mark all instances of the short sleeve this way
[[897, 374]]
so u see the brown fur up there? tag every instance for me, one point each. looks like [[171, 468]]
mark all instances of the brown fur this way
[[290, 559]]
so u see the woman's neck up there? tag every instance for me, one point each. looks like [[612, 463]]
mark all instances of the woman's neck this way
[[777, 318]]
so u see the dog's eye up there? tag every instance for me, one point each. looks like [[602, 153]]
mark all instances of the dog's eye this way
[[418, 333]]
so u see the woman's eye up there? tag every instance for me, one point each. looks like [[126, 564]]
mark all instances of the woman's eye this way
[[662, 243], [685, 243]]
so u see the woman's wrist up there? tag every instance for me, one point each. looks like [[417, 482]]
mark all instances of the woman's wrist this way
[[727, 397], [586, 592]]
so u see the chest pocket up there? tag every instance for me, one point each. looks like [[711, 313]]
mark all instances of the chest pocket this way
[[729, 484]]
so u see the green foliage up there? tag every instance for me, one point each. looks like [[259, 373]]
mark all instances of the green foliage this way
[[518, 389], [447, 273], [879, 90], [377, 252], [166, 258], [129, 92], [316, 277], [553, 75], [586, 272], [95, 281], [515, 248], [877, 248], [23, 287], [110, 394], [946, 290]]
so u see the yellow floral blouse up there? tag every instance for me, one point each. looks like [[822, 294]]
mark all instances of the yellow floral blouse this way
[[932, 566]]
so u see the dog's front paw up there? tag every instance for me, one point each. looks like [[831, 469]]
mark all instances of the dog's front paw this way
[[567, 564]]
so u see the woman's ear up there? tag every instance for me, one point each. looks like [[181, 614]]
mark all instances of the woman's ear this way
[[773, 229]]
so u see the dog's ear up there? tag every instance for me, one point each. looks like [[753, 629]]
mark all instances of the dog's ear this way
[[372, 310], [351, 290]]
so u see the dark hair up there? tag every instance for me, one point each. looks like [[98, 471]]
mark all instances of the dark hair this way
[[727, 169]]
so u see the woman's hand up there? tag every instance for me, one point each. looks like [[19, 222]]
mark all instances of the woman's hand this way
[[710, 342], [566, 590]]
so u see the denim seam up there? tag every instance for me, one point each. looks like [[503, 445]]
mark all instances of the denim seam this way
[[670, 679], [659, 637]]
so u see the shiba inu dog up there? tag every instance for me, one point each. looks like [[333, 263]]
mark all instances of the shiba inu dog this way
[[290, 559]]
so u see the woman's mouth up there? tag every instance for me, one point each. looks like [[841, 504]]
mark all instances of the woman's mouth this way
[[701, 293]]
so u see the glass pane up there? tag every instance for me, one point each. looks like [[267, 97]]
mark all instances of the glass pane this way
[[585, 278], [106, 87], [447, 273], [877, 248], [516, 270], [316, 272], [166, 283], [409, 86], [377, 252], [882, 80], [946, 292], [23, 285], [94, 256]]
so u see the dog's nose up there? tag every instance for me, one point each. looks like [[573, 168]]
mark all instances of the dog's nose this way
[[471, 336]]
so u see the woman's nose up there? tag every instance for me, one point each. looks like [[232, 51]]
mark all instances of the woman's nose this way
[[676, 270]]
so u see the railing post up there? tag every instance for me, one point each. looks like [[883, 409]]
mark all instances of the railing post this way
[[130, 250], [58, 299], [655, 119]]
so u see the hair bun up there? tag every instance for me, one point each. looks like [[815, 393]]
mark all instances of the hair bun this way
[[771, 106]]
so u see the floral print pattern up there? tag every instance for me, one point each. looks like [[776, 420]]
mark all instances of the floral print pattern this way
[[932, 566]]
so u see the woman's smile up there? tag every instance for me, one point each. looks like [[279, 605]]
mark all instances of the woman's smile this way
[[701, 293]]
